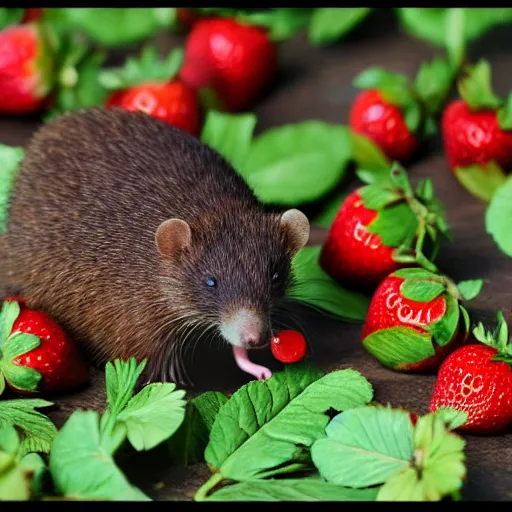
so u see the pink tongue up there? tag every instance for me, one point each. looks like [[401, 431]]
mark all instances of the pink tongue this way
[[242, 360]]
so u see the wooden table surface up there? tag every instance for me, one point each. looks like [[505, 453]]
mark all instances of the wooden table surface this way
[[315, 83]]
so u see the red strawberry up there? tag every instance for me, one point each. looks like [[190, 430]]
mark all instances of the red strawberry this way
[[36, 355], [32, 14], [380, 228], [396, 115], [288, 346], [414, 319], [477, 133], [148, 85], [26, 68], [237, 61], [174, 102], [477, 379]]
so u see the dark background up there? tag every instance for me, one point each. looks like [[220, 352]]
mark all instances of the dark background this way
[[315, 83]]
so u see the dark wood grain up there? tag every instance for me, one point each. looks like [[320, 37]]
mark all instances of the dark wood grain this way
[[315, 83]]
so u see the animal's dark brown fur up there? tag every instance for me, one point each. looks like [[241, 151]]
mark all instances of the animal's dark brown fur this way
[[91, 193]]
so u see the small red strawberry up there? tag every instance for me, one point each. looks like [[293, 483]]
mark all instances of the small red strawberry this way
[[148, 85], [26, 68], [380, 228], [415, 319], [236, 60], [477, 379], [395, 114], [288, 346], [36, 355], [477, 133]]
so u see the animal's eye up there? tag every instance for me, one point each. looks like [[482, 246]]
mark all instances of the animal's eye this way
[[275, 277], [211, 282]]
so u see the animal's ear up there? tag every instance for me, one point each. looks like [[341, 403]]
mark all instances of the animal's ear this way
[[296, 225], [172, 236]]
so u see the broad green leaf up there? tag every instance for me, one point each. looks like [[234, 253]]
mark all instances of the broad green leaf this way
[[292, 489], [314, 287], [326, 217], [364, 446], [38, 431], [328, 24], [11, 16], [265, 426], [454, 36], [113, 27], [372, 163], [498, 217], [397, 347], [33, 463], [153, 415], [438, 470], [432, 24], [297, 163], [9, 438], [10, 161], [281, 22], [187, 445], [421, 290], [471, 288], [481, 181], [82, 469], [230, 135]]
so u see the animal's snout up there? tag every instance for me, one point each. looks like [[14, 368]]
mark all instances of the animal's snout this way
[[246, 329]]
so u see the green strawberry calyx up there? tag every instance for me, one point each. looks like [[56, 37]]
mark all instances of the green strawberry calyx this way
[[497, 338], [407, 220], [423, 286], [475, 88], [12, 346], [148, 67], [420, 101]]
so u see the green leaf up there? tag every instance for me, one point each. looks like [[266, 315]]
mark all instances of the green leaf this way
[[326, 217], [504, 114], [297, 163], [498, 217], [439, 461], [373, 164], [452, 418], [82, 469], [394, 224], [10, 161], [475, 87], [415, 273], [433, 83], [470, 289], [281, 22], [9, 439], [375, 196], [8, 314], [397, 347], [413, 116], [314, 287], [265, 425], [230, 135], [454, 36], [187, 445], [364, 446], [112, 27], [21, 377], [153, 415], [481, 181], [421, 290], [11, 16], [37, 430], [33, 464], [328, 24], [432, 24], [19, 343], [291, 489], [444, 329]]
